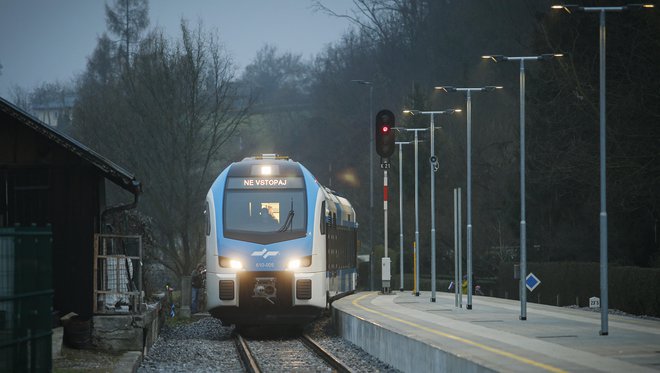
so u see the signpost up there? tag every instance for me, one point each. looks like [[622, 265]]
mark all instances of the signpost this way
[[532, 281]]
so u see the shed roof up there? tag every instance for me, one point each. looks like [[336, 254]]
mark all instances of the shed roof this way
[[109, 169]]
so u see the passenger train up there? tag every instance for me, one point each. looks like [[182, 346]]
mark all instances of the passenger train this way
[[279, 246]]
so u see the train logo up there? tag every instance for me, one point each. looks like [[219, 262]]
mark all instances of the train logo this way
[[264, 253]]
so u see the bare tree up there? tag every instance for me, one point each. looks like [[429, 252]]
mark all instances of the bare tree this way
[[170, 125], [20, 97], [278, 79], [127, 19], [564, 160]]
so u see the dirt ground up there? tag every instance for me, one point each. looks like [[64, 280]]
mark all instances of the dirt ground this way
[[75, 360]]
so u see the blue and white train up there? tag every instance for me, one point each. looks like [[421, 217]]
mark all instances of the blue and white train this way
[[279, 246]]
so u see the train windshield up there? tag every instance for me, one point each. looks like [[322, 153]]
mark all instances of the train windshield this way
[[269, 211]]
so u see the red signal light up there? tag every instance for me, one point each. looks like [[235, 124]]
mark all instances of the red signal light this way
[[384, 133]]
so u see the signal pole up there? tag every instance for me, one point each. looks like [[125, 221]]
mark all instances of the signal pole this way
[[385, 143], [386, 262]]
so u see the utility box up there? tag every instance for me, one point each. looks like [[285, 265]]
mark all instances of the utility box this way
[[386, 264]]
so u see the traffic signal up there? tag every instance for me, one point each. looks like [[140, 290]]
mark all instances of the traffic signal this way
[[385, 133]]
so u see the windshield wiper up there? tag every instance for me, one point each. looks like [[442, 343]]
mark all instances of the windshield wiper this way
[[288, 223]]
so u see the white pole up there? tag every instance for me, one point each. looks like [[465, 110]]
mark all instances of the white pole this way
[[469, 200], [371, 187], [603, 192], [432, 165], [456, 223], [416, 218], [400, 216], [523, 223], [460, 248]]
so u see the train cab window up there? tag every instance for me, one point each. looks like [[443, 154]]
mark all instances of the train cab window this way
[[265, 211], [264, 215]]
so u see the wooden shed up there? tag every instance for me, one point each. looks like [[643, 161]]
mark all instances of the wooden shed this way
[[49, 179]]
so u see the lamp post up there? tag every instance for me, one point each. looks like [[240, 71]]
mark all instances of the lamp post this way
[[468, 94], [603, 192], [401, 144], [523, 228], [433, 163], [416, 253], [371, 179]]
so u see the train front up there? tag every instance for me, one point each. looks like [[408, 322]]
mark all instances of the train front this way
[[262, 268]]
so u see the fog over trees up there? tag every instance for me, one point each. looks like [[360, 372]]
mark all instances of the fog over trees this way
[[174, 111], [166, 115]]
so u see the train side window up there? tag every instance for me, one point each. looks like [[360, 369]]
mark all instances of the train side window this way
[[208, 219], [322, 222]]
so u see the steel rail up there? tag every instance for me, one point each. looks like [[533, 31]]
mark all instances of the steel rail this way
[[327, 356], [249, 362]]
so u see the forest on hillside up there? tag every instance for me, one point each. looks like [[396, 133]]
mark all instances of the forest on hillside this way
[[175, 111]]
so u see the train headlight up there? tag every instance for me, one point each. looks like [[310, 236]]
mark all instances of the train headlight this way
[[229, 263], [294, 264], [235, 264]]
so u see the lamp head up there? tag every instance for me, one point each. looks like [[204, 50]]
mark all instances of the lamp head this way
[[489, 88], [639, 6], [495, 57], [567, 7], [411, 112], [548, 56], [446, 88]]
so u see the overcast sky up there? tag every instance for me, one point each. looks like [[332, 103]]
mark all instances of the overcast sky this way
[[50, 40]]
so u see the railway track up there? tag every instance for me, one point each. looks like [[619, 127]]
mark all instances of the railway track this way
[[297, 354]]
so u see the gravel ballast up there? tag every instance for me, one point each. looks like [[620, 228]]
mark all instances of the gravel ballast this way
[[207, 346]]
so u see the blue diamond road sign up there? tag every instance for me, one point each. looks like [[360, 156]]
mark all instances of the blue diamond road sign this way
[[532, 281]]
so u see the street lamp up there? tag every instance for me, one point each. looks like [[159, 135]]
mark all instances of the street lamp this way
[[371, 179], [468, 92], [401, 144], [433, 161], [416, 244], [523, 228], [603, 205]]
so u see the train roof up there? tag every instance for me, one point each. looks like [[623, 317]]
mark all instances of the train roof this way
[[285, 166]]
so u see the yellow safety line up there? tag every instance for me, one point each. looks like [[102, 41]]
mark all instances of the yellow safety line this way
[[497, 351]]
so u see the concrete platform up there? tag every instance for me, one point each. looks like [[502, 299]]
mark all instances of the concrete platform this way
[[414, 335]]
